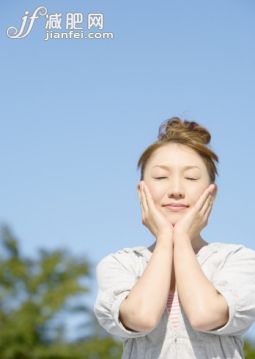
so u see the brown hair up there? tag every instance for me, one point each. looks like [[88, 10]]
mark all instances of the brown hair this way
[[185, 132]]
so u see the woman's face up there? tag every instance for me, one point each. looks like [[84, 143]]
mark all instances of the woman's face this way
[[174, 183]]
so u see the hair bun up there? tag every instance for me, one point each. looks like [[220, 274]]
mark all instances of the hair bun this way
[[175, 128]]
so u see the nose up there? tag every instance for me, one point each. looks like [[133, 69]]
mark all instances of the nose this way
[[175, 190], [175, 194]]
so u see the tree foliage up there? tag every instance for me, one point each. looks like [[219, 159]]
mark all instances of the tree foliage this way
[[35, 295], [249, 349]]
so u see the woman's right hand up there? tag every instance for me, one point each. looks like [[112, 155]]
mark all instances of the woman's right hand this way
[[152, 218]]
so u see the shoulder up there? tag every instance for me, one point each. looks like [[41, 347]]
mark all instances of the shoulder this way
[[230, 249], [127, 258], [232, 256]]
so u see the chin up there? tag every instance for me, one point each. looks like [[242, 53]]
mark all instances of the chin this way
[[173, 219]]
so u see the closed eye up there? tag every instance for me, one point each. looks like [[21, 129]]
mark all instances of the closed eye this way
[[191, 179]]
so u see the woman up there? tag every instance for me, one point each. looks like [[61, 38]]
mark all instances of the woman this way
[[181, 297]]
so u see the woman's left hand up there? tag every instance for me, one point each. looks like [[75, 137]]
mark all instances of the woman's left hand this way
[[197, 216]]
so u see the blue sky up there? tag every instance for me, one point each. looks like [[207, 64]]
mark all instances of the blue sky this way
[[77, 114]]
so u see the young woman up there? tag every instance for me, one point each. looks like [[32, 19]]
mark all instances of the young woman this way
[[181, 297]]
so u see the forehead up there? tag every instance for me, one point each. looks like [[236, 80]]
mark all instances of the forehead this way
[[176, 155]]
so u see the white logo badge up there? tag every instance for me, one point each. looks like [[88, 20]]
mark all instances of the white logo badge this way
[[14, 33]]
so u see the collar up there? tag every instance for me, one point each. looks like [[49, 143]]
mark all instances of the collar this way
[[202, 255]]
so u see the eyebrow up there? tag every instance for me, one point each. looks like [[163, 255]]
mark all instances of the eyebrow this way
[[167, 168]]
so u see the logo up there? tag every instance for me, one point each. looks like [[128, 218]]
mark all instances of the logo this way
[[14, 33], [71, 22]]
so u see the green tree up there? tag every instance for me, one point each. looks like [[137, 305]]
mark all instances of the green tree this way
[[249, 349], [36, 294]]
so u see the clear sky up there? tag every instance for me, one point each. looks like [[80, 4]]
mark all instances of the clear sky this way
[[76, 114]]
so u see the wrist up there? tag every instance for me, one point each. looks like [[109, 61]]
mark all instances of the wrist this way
[[181, 237], [165, 240]]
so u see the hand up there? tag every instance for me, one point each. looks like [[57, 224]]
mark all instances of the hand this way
[[152, 218], [196, 218]]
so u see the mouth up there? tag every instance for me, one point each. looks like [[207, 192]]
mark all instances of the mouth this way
[[175, 208]]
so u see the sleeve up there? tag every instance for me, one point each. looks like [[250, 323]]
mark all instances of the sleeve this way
[[236, 282], [114, 281]]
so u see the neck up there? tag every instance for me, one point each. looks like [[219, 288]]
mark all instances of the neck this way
[[198, 243]]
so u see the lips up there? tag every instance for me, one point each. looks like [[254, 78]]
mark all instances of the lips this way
[[175, 207]]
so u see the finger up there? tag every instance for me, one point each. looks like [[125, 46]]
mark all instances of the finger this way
[[143, 198], [149, 198], [202, 199], [210, 199], [208, 211], [207, 205]]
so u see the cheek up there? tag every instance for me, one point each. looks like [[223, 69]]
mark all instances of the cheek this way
[[197, 193], [155, 192]]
